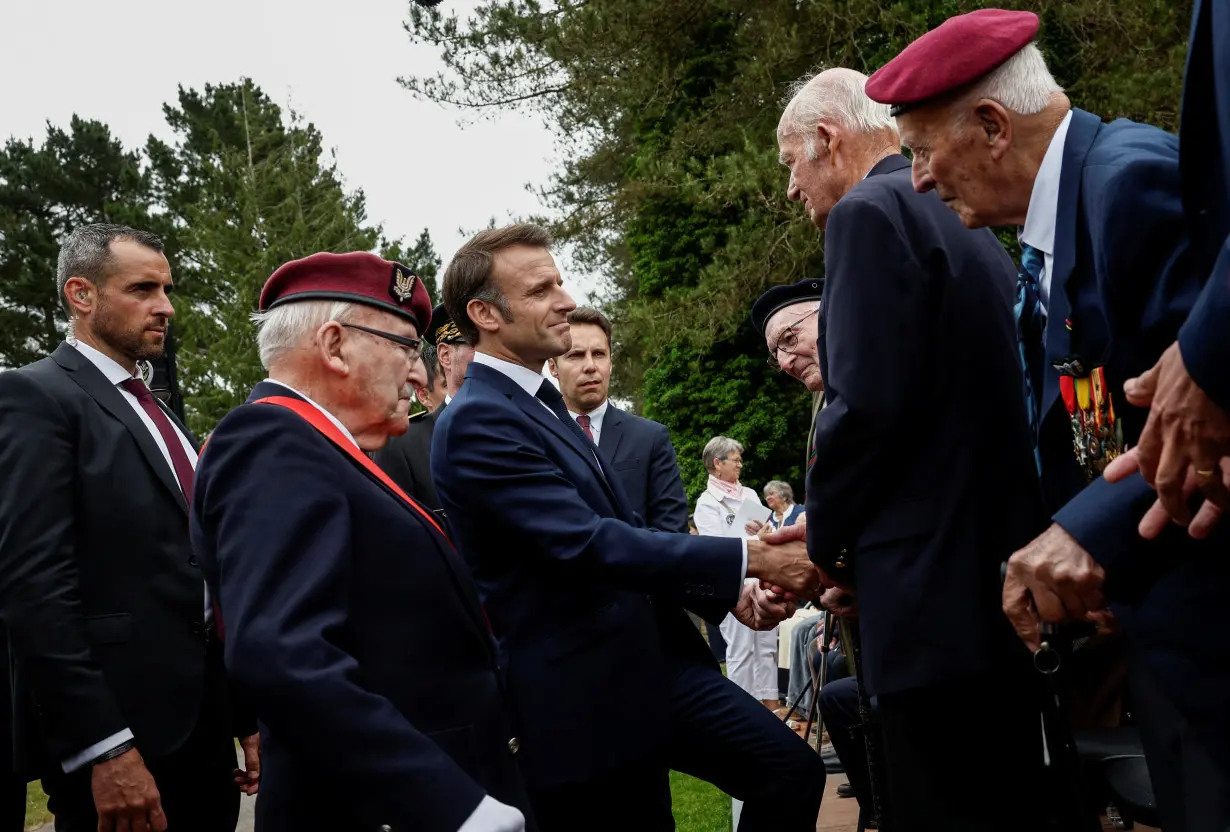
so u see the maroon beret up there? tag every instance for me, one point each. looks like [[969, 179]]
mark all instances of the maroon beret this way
[[357, 277], [960, 50]]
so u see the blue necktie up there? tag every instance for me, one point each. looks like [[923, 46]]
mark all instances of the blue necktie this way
[[1030, 324]]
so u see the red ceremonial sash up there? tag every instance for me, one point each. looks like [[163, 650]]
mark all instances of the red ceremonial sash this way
[[314, 417]]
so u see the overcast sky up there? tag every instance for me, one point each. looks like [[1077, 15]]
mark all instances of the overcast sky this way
[[336, 63]]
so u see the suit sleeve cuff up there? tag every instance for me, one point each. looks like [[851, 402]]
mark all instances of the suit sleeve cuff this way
[[743, 571], [97, 749], [493, 816], [1104, 518]]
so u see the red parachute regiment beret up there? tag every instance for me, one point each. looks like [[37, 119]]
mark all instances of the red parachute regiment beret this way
[[960, 50], [357, 277]]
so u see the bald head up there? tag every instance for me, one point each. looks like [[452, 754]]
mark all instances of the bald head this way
[[830, 135]]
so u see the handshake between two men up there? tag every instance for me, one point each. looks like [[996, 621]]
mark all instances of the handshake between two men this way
[[786, 576]]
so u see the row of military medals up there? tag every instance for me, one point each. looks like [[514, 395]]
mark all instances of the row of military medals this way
[[1097, 435]]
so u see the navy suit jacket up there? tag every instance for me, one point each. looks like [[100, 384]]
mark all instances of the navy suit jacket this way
[[644, 461], [565, 573], [1204, 138], [923, 474], [1124, 280], [353, 629], [407, 460]]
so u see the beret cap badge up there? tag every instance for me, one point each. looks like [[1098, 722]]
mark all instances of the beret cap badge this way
[[401, 286]]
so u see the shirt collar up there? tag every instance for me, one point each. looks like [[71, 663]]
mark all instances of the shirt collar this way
[[523, 377], [595, 416], [337, 422], [106, 364], [1039, 230]]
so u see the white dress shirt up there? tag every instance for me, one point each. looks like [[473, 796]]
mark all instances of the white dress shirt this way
[[595, 419], [530, 381], [116, 374], [1039, 229], [490, 815]]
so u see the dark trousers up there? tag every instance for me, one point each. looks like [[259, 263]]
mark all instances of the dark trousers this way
[[1188, 756], [838, 705], [12, 803], [196, 781], [983, 730], [719, 734]]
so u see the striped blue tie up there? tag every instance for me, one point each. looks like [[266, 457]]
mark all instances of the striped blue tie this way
[[1030, 323]]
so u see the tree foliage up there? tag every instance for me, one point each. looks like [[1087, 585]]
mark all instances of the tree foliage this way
[[666, 111]]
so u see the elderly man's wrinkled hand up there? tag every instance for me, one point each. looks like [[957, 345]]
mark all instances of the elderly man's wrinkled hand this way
[[840, 601], [1186, 434], [1053, 579], [784, 566]]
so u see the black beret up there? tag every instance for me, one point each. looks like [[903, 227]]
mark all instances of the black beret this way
[[780, 297], [442, 329]]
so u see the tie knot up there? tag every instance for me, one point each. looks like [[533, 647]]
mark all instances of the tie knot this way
[[583, 420], [137, 387]]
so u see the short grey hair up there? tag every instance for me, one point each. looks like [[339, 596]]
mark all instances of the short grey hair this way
[[719, 447], [284, 327], [1022, 83], [837, 95], [781, 489], [86, 252]]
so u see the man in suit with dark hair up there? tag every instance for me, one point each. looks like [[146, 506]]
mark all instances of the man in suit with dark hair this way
[[567, 571], [407, 458], [353, 628], [1107, 281], [750, 751], [122, 698], [923, 482]]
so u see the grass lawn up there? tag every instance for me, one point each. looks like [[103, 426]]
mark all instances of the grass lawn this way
[[698, 806], [36, 806]]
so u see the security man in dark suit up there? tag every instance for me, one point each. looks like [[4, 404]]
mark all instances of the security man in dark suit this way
[[923, 482], [407, 458], [122, 703], [750, 751], [1107, 280], [568, 574], [373, 674]]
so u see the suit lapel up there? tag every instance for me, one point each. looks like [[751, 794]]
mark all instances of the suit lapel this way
[[612, 432], [90, 379], [1081, 134]]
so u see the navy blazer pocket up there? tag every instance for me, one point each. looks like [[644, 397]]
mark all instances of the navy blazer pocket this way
[[908, 518], [108, 629]]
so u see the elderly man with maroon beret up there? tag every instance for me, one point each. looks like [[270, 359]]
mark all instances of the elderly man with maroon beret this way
[[351, 624], [1106, 281]]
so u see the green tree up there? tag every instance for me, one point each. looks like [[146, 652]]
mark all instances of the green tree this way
[[249, 188], [669, 186], [76, 176]]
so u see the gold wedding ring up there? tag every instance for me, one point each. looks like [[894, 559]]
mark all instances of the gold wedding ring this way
[[1204, 474]]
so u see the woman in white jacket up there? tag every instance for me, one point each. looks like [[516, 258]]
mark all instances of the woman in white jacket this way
[[751, 657]]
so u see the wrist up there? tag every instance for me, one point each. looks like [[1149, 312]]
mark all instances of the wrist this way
[[119, 751], [755, 558]]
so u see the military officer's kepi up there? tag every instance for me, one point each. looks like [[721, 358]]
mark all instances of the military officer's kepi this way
[[442, 329], [357, 277], [959, 51], [779, 297]]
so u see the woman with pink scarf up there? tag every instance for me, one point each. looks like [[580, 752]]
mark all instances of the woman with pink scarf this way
[[751, 657]]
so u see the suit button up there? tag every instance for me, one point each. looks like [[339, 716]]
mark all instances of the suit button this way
[[384, 827], [514, 745], [192, 560]]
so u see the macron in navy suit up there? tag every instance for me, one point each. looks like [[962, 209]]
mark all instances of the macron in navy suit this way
[[750, 752], [566, 570], [1101, 212], [352, 626]]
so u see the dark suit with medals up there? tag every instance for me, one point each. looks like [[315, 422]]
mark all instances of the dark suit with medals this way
[[1125, 280], [103, 598], [353, 630], [407, 458], [923, 485], [748, 751]]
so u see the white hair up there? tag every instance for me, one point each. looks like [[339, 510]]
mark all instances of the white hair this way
[[1022, 83], [836, 95], [284, 327]]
